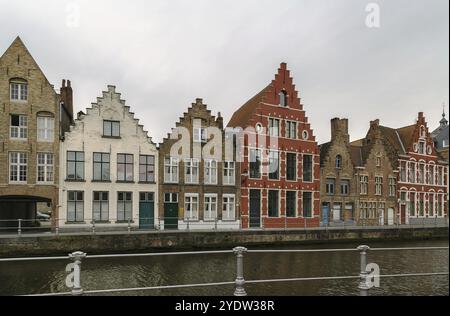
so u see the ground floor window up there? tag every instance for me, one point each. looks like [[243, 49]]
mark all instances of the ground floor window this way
[[210, 207], [307, 204], [124, 206], [191, 206], [100, 206], [291, 204], [274, 203], [228, 211], [75, 206]]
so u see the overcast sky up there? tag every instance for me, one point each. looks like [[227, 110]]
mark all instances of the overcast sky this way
[[162, 55]]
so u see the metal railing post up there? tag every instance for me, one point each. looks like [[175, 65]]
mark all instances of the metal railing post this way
[[188, 228], [363, 284], [215, 223], [285, 222], [240, 281], [129, 225], [77, 257], [19, 228], [93, 226]]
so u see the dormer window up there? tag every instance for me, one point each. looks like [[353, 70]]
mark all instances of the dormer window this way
[[422, 148], [18, 90], [283, 98], [111, 129]]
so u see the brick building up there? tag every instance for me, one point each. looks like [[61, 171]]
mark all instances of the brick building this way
[[197, 191], [30, 116], [338, 181], [280, 180]]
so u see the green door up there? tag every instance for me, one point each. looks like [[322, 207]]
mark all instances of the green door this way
[[170, 211], [146, 210]]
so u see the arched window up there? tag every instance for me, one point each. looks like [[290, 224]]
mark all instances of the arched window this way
[[18, 89], [283, 98], [422, 131], [338, 162], [45, 127]]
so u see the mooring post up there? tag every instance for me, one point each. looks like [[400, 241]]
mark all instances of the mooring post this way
[[240, 281], [363, 283], [19, 228], [77, 257]]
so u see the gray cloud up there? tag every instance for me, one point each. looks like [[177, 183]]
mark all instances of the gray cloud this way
[[163, 54]]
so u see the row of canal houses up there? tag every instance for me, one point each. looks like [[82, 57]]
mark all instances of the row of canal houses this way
[[102, 166]]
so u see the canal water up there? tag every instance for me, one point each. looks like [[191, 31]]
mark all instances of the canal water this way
[[49, 276]]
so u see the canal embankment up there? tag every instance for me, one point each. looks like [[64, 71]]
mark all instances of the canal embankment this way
[[100, 243]]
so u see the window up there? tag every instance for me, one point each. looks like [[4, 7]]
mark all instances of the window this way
[[170, 197], [274, 203], [170, 170], [421, 178], [191, 206], [422, 147], [200, 135], [100, 206], [431, 205], [75, 165], [291, 130], [210, 172], [307, 168], [439, 176], [345, 187], [75, 206], [229, 177], [378, 185], [364, 184], [101, 167], [392, 187], [307, 204], [439, 205], [412, 172], [283, 98], [111, 129], [124, 206], [19, 91], [403, 165], [363, 210], [125, 164], [378, 162], [19, 127], [421, 207], [255, 163], [146, 168], [45, 128], [338, 162], [274, 165], [228, 210], [403, 196], [291, 204], [412, 204], [191, 171], [305, 135], [18, 167], [330, 186], [210, 207], [291, 166], [274, 127], [430, 176], [259, 128], [45, 168]]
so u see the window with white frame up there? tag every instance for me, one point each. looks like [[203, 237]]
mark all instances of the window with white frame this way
[[283, 98], [392, 187], [329, 186], [18, 167], [412, 204], [191, 206], [45, 172], [422, 147], [307, 168], [273, 203], [439, 176], [228, 209], [18, 127], [363, 212], [210, 172], [345, 187], [440, 203], [274, 127], [274, 165], [255, 163], [75, 165], [403, 165], [170, 170], [200, 135], [191, 171], [291, 203], [291, 130], [378, 185], [421, 174], [412, 172], [210, 207], [307, 198], [124, 206], [75, 206], [45, 128], [18, 91], [431, 205], [100, 206], [229, 173], [111, 128], [364, 184], [338, 162]]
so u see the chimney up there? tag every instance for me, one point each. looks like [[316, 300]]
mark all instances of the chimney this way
[[67, 97], [220, 120], [339, 127]]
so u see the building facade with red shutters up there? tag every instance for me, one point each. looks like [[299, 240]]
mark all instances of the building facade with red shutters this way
[[280, 167]]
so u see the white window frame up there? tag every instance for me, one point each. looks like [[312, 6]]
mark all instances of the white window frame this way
[[199, 135], [363, 184], [47, 130], [21, 95], [274, 129], [211, 204], [174, 169], [20, 165], [291, 129], [20, 130], [229, 173], [78, 205], [210, 171], [191, 165], [378, 185], [189, 212], [392, 187], [47, 167], [228, 207]]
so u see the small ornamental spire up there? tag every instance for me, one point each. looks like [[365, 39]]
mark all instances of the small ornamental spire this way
[[444, 121]]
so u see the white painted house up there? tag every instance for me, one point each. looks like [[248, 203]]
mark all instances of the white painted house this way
[[109, 169]]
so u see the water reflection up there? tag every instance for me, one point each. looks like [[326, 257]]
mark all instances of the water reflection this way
[[44, 277]]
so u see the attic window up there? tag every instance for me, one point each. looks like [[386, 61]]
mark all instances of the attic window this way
[[422, 131], [18, 89], [338, 162], [283, 98], [111, 129]]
